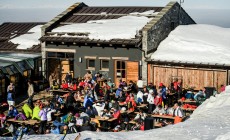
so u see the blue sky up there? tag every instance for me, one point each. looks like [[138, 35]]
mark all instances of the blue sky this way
[[215, 12]]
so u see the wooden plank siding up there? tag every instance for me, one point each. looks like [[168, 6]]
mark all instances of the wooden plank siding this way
[[190, 77], [132, 71]]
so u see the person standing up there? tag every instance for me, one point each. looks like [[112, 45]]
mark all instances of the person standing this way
[[10, 97], [51, 80], [43, 115], [30, 90], [68, 78], [11, 87], [150, 100]]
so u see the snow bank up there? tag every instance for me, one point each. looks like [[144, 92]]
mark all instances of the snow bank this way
[[209, 121], [196, 43], [124, 27], [26, 41]]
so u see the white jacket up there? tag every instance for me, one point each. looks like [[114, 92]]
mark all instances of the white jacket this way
[[140, 95], [99, 108], [150, 99]]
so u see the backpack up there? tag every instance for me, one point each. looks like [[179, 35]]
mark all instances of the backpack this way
[[20, 116]]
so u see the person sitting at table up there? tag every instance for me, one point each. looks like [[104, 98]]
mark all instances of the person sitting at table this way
[[68, 118], [27, 111], [159, 110], [99, 107], [140, 116], [132, 104], [90, 111], [140, 97], [200, 95], [36, 111], [13, 112], [115, 104], [2, 119], [118, 92], [177, 111], [64, 85], [88, 101], [189, 94], [106, 114], [132, 86], [59, 99], [158, 99], [168, 110]]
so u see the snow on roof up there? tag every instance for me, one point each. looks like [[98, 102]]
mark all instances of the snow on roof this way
[[124, 27], [196, 43], [209, 121], [26, 41]]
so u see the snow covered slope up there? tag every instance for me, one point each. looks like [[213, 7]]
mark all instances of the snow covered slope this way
[[210, 121], [196, 43]]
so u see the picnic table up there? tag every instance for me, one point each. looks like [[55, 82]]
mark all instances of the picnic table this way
[[28, 122], [163, 116], [142, 106], [187, 101], [122, 104], [59, 91]]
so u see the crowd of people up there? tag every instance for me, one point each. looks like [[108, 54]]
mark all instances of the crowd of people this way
[[88, 102]]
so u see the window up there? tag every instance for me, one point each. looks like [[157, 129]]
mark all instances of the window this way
[[121, 69], [104, 64], [90, 64]]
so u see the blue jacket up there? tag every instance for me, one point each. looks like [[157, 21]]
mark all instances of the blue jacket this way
[[10, 96], [55, 131], [163, 91], [58, 124], [88, 101], [20, 131], [118, 92], [13, 113]]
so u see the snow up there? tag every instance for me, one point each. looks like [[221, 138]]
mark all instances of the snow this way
[[124, 27], [196, 43], [26, 41], [150, 12], [210, 121]]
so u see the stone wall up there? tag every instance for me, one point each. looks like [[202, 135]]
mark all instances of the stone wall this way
[[160, 27]]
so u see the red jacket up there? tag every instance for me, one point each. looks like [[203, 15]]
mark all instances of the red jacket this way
[[65, 85], [158, 100], [117, 114]]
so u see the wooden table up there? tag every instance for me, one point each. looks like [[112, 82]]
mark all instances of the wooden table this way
[[188, 109], [127, 112], [187, 101], [142, 106], [28, 122], [58, 114], [59, 91], [164, 117], [122, 104]]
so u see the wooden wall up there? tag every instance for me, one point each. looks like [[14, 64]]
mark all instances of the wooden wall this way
[[132, 71], [190, 77]]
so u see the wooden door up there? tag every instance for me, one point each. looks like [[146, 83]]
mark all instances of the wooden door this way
[[125, 71]]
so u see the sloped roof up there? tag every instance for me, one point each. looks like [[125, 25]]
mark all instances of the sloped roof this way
[[81, 13], [197, 44], [94, 13], [10, 30]]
